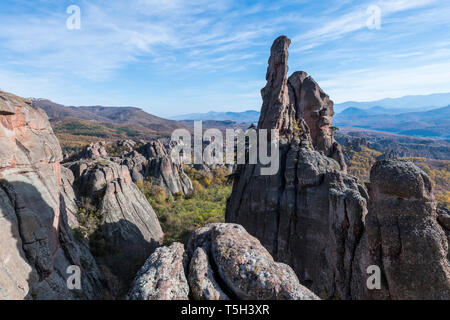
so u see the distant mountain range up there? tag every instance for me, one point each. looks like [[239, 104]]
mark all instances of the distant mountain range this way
[[419, 115], [78, 126], [249, 116], [99, 122], [400, 105], [434, 123], [117, 118], [385, 106]]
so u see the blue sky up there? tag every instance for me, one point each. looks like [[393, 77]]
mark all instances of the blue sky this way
[[173, 57]]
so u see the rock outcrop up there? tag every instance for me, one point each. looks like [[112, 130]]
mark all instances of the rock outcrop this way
[[145, 161], [127, 229], [43, 205], [287, 100], [222, 261], [37, 245], [162, 277], [95, 150], [313, 216], [309, 214], [153, 162], [404, 236]]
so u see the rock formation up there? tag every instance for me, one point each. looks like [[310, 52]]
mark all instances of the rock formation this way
[[287, 100], [37, 244], [127, 229], [311, 210], [145, 161], [313, 216], [152, 161], [43, 205], [95, 150], [404, 236], [162, 277], [222, 261]]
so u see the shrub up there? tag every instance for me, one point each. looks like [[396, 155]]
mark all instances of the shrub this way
[[206, 204]]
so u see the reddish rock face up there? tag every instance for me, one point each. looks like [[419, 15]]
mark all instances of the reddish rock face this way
[[315, 107], [309, 215], [36, 242], [276, 111]]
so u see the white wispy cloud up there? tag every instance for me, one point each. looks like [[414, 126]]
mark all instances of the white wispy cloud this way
[[114, 34], [396, 82], [224, 46], [332, 28]]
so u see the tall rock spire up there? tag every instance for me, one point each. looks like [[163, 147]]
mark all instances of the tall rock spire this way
[[310, 210], [288, 103], [276, 112], [318, 219]]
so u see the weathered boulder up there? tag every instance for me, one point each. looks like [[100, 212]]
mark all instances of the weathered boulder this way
[[249, 270], [162, 277], [222, 262], [403, 236], [200, 238], [37, 244], [201, 278]]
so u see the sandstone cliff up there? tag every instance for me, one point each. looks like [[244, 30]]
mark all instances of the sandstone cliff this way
[[37, 244], [309, 215]]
